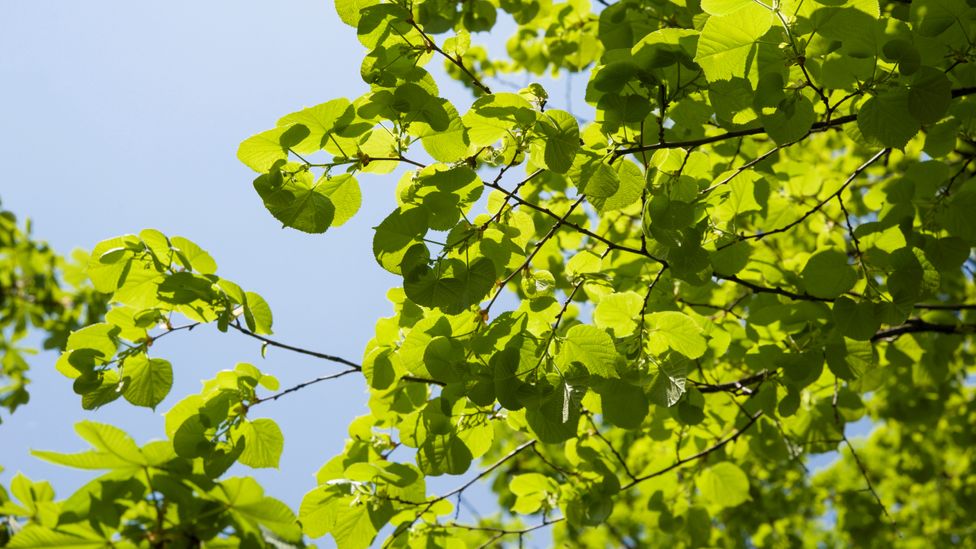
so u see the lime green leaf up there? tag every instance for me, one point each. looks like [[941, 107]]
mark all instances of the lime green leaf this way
[[531, 490], [263, 443], [111, 440], [146, 381], [723, 485], [192, 256], [257, 313], [538, 284], [356, 524], [39, 537], [262, 151], [619, 312], [669, 382], [675, 331], [727, 43], [343, 192], [348, 10], [591, 347], [491, 117], [298, 202], [558, 140]]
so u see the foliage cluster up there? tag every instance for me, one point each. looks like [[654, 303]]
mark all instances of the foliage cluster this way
[[764, 235]]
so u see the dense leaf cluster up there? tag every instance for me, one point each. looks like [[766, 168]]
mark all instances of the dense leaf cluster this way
[[636, 328]]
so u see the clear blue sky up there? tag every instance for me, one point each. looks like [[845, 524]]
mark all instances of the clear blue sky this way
[[121, 115]]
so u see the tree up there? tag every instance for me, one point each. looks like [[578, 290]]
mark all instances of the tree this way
[[637, 329]]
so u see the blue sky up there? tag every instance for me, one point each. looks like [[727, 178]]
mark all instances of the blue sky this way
[[121, 115]]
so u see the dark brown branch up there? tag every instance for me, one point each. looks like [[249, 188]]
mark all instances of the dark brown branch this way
[[611, 245], [759, 288], [273, 343], [430, 503], [860, 169], [457, 61], [857, 460], [354, 366], [738, 432], [946, 306], [535, 250], [304, 384], [917, 325], [816, 127], [616, 454], [739, 385]]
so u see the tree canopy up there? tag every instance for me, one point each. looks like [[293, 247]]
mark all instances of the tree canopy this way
[[636, 328]]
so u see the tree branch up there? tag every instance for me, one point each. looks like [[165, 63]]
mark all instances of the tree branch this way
[[455, 60], [917, 325], [739, 385], [304, 384], [801, 219], [354, 366], [430, 503], [738, 432], [816, 127]]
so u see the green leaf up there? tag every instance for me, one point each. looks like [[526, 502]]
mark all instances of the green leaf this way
[[111, 440], [856, 320], [396, 234], [532, 491], [245, 498], [39, 537], [356, 524], [262, 151], [850, 359], [623, 404], [727, 43], [349, 10], [731, 259], [723, 485], [299, 203], [491, 117], [619, 312], [881, 119], [450, 285], [146, 380], [929, 95], [827, 274], [445, 454], [934, 17], [343, 192], [591, 347], [559, 139], [556, 418], [790, 121], [257, 313], [537, 284], [671, 330], [263, 443]]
